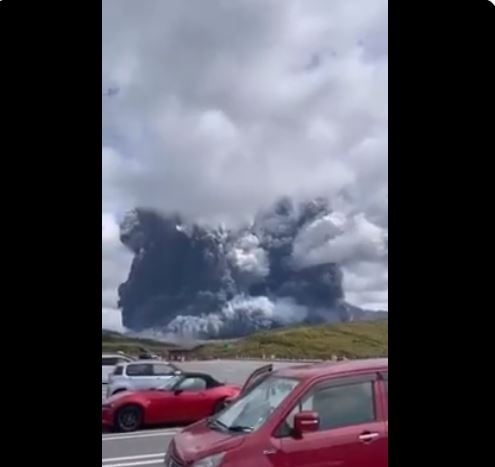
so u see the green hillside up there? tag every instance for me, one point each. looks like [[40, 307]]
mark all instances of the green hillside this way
[[351, 340], [360, 339]]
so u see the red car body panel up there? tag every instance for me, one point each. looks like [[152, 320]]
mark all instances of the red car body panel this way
[[198, 441], [167, 407], [361, 445]]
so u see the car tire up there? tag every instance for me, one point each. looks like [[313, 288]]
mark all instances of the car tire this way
[[128, 418]]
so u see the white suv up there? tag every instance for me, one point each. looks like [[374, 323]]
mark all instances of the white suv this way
[[140, 375], [108, 362]]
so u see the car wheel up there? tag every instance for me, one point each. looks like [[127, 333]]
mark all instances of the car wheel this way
[[129, 418]]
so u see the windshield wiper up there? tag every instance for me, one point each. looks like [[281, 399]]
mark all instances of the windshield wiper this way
[[213, 422]]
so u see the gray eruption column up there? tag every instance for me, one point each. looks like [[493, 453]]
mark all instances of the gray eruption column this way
[[204, 282]]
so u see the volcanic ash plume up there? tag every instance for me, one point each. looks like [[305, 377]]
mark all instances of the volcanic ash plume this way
[[198, 281]]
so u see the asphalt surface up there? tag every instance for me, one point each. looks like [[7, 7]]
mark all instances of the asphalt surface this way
[[135, 449], [147, 447]]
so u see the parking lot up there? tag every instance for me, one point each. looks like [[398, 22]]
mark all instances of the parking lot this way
[[147, 447]]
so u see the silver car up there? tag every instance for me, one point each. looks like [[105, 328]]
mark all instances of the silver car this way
[[140, 375]]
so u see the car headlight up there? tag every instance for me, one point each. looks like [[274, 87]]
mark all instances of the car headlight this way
[[210, 461]]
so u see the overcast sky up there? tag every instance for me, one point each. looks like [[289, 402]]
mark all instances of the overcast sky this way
[[216, 107]]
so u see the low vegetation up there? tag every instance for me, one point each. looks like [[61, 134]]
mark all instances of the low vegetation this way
[[363, 339], [351, 340]]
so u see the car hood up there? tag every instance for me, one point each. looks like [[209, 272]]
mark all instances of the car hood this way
[[198, 441]]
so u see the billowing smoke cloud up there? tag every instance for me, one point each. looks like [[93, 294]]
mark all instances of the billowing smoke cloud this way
[[240, 316], [335, 238], [248, 259], [201, 281]]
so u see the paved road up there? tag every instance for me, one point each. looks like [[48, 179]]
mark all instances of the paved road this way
[[141, 448], [147, 447]]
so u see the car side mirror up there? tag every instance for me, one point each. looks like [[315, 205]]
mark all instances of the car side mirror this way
[[305, 422], [178, 391]]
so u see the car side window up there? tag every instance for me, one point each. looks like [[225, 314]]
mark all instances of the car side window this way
[[139, 369], [160, 369], [337, 406], [192, 384]]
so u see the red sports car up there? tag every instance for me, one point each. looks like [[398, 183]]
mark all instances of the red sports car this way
[[184, 398]]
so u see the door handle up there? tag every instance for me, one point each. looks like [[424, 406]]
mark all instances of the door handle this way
[[368, 437]]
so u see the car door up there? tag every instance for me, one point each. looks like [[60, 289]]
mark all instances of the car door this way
[[163, 372], [352, 431], [255, 378], [191, 400], [140, 376]]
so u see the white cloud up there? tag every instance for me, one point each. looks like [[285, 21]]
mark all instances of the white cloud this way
[[111, 319], [359, 245], [366, 284], [336, 238], [224, 105], [115, 265]]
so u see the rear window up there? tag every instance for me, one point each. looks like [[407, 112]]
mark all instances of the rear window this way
[[109, 361], [139, 369]]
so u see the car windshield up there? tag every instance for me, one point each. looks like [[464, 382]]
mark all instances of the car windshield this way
[[170, 383], [252, 410]]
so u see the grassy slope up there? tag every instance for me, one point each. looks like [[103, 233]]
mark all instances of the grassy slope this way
[[353, 340]]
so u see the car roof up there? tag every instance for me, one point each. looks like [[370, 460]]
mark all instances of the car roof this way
[[198, 374], [193, 374], [342, 368], [153, 362]]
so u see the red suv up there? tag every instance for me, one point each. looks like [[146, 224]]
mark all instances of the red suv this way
[[327, 414]]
